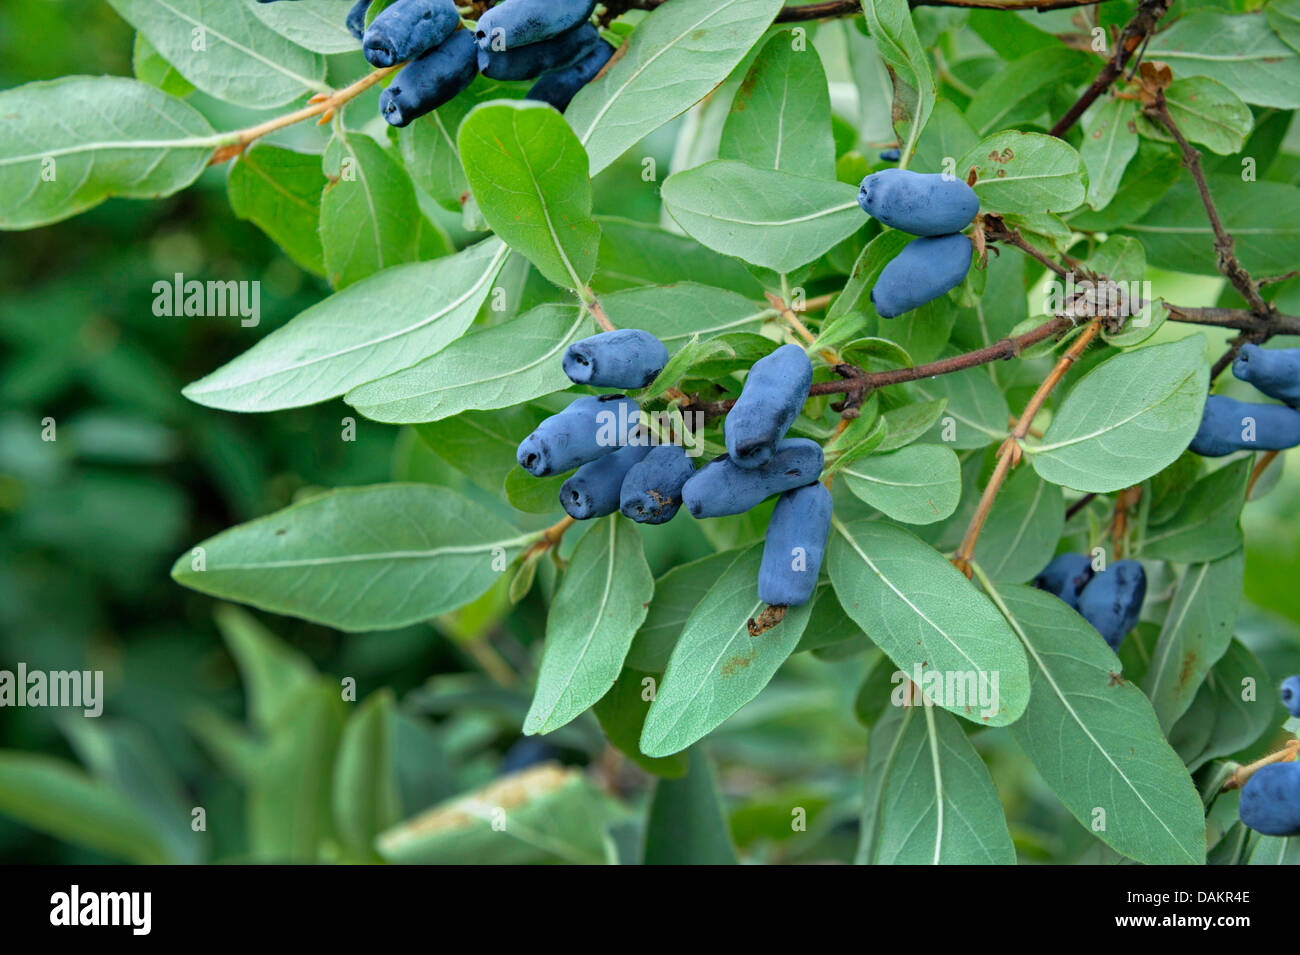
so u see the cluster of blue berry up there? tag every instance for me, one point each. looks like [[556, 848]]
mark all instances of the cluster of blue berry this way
[[1110, 599], [933, 207], [620, 468], [551, 41], [1230, 425]]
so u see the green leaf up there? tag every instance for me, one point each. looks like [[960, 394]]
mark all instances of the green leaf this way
[[115, 137], [672, 60], [1262, 217], [497, 367], [382, 324], [677, 594], [318, 25], [365, 791], [1238, 50], [272, 672], [1227, 702], [622, 712], [1095, 740], [677, 313], [359, 558], [226, 51], [926, 615], [529, 175], [904, 425], [601, 603], [481, 444], [149, 67], [1207, 524], [781, 116], [289, 813], [1022, 530], [1196, 633], [1025, 173], [1021, 91], [553, 814], [1284, 17], [890, 25], [855, 300], [976, 411], [1275, 850], [920, 484], [929, 800], [947, 135], [1108, 147], [1127, 419], [774, 219], [717, 667], [686, 823], [1206, 112], [533, 495], [634, 254], [126, 757], [369, 217], [279, 191], [57, 798]]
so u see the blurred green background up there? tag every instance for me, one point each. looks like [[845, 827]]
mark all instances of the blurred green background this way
[[90, 524]]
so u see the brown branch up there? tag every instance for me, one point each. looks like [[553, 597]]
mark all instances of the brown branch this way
[[1261, 465], [1080, 504], [996, 230], [1238, 319], [855, 379], [1009, 453], [1133, 36]]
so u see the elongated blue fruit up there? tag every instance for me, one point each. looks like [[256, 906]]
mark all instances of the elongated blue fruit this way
[[595, 489], [1229, 425], [924, 270], [774, 393], [407, 29], [429, 82], [1291, 695], [517, 23], [721, 487], [1066, 576], [652, 490], [528, 62], [793, 548], [588, 429], [919, 203], [1274, 371], [357, 19], [1112, 600], [890, 155], [1270, 800], [559, 87], [624, 358]]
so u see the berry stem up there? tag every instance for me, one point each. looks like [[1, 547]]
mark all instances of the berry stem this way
[[1261, 465], [1243, 773], [1010, 451]]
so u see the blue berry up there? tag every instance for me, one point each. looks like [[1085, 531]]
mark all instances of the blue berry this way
[[559, 87], [795, 543], [652, 490], [594, 489], [1291, 695], [926, 269], [625, 358], [774, 394], [517, 23], [1229, 425], [919, 203], [1112, 600], [429, 82], [722, 487], [1270, 800], [528, 62], [588, 429], [891, 155], [1274, 371], [407, 29], [357, 19], [1065, 577]]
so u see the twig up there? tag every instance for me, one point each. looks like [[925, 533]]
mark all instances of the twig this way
[[1080, 504], [1009, 453], [1133, 36], [997, 231], [1242, 774], [592, 304], [1125, 500], [323, 105], [1258, 470]]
